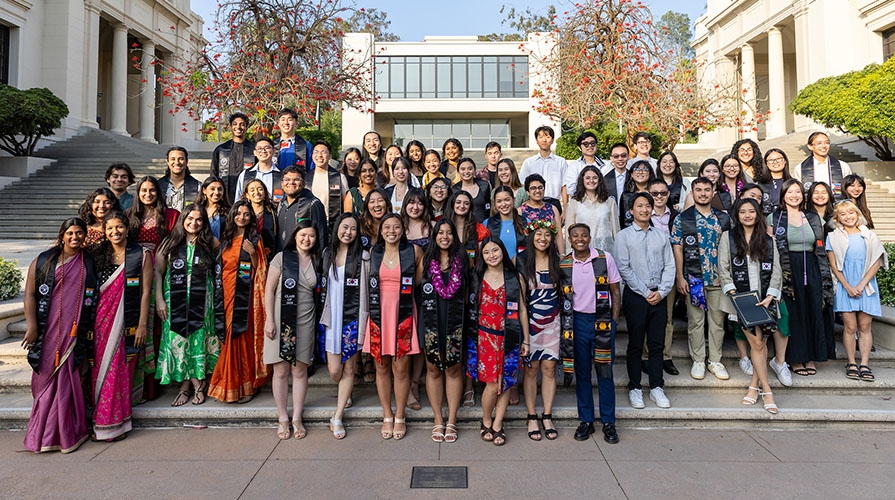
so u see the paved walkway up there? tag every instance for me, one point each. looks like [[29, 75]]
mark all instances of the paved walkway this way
[[656, 463]]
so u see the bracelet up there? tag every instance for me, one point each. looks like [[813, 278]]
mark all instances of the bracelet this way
[[525, 343]]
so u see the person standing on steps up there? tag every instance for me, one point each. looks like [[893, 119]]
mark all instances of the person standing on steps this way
[[264, 170], [663, 219], [551, 167], [179, 187], [293, 151], [643, 143], [326, 183], [234, 156], [820, 166], [119, 176]]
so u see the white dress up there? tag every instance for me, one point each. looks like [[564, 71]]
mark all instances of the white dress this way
[[602, 218], [336, 295]]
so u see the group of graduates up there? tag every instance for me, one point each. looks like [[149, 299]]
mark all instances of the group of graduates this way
[[397, 261]]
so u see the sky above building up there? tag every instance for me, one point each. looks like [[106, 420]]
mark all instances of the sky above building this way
[[414, 20]]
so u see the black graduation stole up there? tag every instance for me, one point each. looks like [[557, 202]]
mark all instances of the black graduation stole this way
[[472, 249], [512, 336], [780, 222], [133, 296], [187, 310], [602, 320], [43, 295], [726, 200], [807, 169], [439, 354], [289, 278], [334, 181], [407, 261], [243, 290], [692, 260], [350, 288], [739, 268], [494, 224], [276, 191], [268, 233]]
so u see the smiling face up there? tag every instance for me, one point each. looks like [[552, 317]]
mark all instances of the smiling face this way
[[73, 238], [793, 196], [100, 207], [376, 205], [305, 238], [444, 238], [640, 174], [415, 153], [286, 124], [256, 192], [177, 162], [392, 230], [391, 153], [462, 205], [642, 210], [116, 231], [214, 192], [579, 238], [702, 193], [667, 166], [347, 231], [451, 152], [820, 146], [504, 174], [854, 190], [536, 191], [414, 208], [775, 162], [745, 153], [119, 180], [712, 173], [619, 157], [367, 174], [642, 146], [731, 169], [372, 143], [820, 196], [242, 217], [542, 239], [847, 217], [400, 172], [238, 126], [432, 164], [264, 152], [466, 170], [492, 255], [192, 224], [147, 193], [321, 155], [352, 160], [504, 203], [438, 192], [747, 215]]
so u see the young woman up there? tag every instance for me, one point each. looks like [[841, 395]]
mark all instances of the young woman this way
[[535, 208], [98, 204], [670, 171], [592, 205], [414, 152], [184, 286], [748, 155], [772, 178], [820, 201], [265, 213], [470, 231], [505, 222], [497, 334], [438, 191], [637, 180], [853, 188], [432, 164], [376, 206], [479, 190], [344, 303], [385, 175], [59, 312], [417, 218], [290, 325], [366, 182], [856, 254], [149, 219], [508, 176], [442, 308], [400, 177], [240, 370], [373, 149], [711, 170], [732, 177], [806, 279], [391, 330], [451, 152], [539, 267], [213, 198], [748, 260], [125, 272], [351, 161]]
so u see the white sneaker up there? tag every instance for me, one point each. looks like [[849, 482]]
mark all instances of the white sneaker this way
[[698, 370], [746, 365], [718, 369], [636, 398], [657, 395], [782, 372]]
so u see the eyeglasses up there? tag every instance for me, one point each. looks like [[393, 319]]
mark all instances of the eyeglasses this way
[[535, 188], [640, 169], [264, 149], [641, 143], [618, 157], [589, 144], [656, 194], [745, 150], [775, 161]]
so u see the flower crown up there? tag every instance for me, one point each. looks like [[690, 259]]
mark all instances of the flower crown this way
[[538, 224]]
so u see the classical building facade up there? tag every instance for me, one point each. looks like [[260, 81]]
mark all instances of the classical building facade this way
[[774, 48], [84, 50], [445, 87]]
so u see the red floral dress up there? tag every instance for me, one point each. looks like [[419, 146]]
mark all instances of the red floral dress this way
[[488, 361]]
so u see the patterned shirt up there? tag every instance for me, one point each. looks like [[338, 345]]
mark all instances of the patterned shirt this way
[[708, 231]]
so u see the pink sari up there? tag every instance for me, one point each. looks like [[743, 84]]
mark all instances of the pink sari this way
[[112, 374], [58, 418]]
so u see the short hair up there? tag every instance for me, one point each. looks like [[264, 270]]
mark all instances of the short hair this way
[[236, 115], [584, 135], [292, 169], [287, 111], [177, 148], [534, 178], [702, 180], [264, 139], [814, 136], [321, 142], [120, 166], [579, 225], [545, 128], [641, 135], [642, 194], [848, 205], [619, 145], [491, 145], [657, 180]]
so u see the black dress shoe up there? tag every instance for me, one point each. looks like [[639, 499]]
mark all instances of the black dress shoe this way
[[609, 434], [668, 366], [584, 430]]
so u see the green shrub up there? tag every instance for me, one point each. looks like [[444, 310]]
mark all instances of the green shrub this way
[[886, 279], [10, 279], [26, 116], [607, 135]]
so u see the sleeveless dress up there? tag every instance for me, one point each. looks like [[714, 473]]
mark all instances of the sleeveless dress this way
[[544, 327], [390, 295], [853, 269], [532, 214], [488, 361]]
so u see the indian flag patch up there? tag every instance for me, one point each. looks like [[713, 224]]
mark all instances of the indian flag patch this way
[[133, 282]]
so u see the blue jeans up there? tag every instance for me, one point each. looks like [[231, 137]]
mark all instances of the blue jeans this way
[[584, 363]]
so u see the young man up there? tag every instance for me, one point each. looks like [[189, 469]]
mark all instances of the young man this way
[[265, 170], [614, 175], [590, 279], [646, 263], [663, 220], [493, 154], [643, 143], [298, 203], [119, 176], [820, 166], [587, 144], [552, 168], [178, 187], [234, 156], [293, 150], [327, 184], [695, 236]]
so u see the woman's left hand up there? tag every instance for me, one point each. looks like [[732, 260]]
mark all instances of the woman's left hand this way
[[523, 350], [766, 302], [140, 336]]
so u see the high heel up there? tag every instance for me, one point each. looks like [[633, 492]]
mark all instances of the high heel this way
[[747, 400], [335, 425], [770, 407], [387, 433], [400, 435]]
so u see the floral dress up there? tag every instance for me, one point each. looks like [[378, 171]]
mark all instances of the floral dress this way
[[487, 359], [543, 307]]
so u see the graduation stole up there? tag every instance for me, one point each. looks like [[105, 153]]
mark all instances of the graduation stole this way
[[334, 181], [472, 249], [350, 293], [692, 260], [438, 354], [407, 261], [242, 293], [494, 224], [187, 312], [807, 169], [43, 295], [133, 295], [740, 267], [602, 320], [512, 336], [289, 154], [780, 220]]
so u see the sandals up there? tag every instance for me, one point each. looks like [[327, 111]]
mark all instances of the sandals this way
[[245, 399], [535, 435], [299, 429], [400, 435], [469, 398], [349, 403], [450, 434], [181, 398], [749, 400], [851, 371], [337, 427], [811, 371], [770, 407], [387, 433], [802, 372], [413, 401], [486, 433], [199, 396], [438, 433], [357, 378], [500, 438], [283, 429], [550, 434], [866, 374], [369, 371]]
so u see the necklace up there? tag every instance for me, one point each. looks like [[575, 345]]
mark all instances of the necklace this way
[[445, 290], [74, 323], [391, 258]]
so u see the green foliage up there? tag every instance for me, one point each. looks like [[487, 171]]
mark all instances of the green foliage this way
[[371, 21], [860, 103], [677, 34], [886, 278], [26, 116], [10, 279], [607, 135], [522, 24]]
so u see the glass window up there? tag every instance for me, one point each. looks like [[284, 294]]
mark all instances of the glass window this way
[[490, 78], [403, 132], [443, 83], [427, 77], [459, 81], [412, 70], [475, 77], [441, 131], [457, 77], [396, 77], [888, 43], [380, 84], [505, 78]]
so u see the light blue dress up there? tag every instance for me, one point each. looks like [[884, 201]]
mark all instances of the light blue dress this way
[[853, 270]]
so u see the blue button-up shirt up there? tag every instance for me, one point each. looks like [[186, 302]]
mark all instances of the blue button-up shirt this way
[[645, 260]]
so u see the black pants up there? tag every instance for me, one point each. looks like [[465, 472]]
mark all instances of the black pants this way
[[647, 321]]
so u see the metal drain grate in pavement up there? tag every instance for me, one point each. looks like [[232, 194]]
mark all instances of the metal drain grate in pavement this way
[[438, 477]]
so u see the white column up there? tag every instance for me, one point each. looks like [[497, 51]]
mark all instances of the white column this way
[[91, 64], [119, 81], [776, 85], [147, 94], [750, 105]]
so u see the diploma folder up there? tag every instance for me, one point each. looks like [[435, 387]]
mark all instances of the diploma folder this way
[[749, 313]]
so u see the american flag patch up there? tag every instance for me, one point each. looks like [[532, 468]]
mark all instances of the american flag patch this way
[[512, 306], [602, 295]]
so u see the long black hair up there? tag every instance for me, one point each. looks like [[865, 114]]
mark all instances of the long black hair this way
[[230, 229], [757, 248], [518, 222], [139, 211], [391, 215], [355, 248], [85, 211], [529, 268], [766, 177], [580, 191], [417, 194], [433, 252], [367, 222], [104, 251], [861, 200], [630, 185], [314, 252], [481, 266], [469, 222], [177, 238], [809, 203], [56, 249], [677, 177], [202, 200]]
